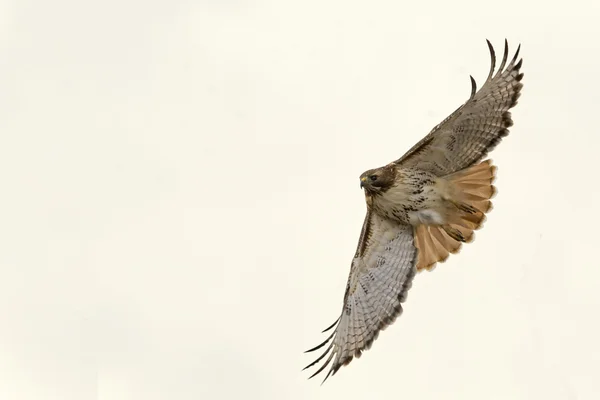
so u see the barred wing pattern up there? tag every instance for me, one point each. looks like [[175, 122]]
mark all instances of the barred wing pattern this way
[[475, 128], [380, 276]]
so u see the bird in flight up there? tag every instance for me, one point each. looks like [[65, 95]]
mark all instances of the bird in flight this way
[[420, 209]]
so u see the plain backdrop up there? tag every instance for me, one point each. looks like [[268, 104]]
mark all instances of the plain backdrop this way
[[180, 198]]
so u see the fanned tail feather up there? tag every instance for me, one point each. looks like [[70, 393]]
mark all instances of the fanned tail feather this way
[[474, 190]]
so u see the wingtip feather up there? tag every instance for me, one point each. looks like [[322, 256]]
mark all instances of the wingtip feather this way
[[332, 325], [473, 86], [493, 58]]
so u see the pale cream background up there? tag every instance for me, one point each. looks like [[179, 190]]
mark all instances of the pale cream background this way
[[180, 198]]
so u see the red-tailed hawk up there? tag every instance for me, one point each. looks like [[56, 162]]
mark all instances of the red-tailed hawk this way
[[421, 208]]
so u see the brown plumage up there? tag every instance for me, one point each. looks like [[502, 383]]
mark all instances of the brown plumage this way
[[475, 184], [421, 208]]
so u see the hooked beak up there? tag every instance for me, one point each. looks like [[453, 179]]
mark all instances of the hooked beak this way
[[362, 181]]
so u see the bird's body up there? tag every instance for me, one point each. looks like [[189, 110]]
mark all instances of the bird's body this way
[[420, 209], [415, 197]]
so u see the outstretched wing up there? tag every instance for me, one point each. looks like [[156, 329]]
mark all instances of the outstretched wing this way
[[475, 128], [380, 277]]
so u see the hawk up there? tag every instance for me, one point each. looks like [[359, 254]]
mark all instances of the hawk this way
[[420, 209]]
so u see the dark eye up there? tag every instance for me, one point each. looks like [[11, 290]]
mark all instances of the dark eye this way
[[373, 178]]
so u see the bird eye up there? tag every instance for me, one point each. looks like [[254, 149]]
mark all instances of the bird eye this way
[[373, 178]]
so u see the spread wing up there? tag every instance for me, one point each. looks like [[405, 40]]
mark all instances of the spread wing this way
[[475, 128], [380, 277]]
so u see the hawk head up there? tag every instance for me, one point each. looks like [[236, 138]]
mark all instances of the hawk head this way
[[378, 180]]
